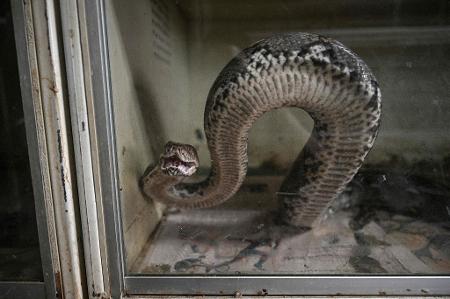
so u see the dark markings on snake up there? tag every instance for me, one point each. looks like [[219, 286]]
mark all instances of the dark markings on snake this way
[[286, 70]]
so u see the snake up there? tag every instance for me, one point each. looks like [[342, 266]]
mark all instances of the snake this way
[[303, 70]]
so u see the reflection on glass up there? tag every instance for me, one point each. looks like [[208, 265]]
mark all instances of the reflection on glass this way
[[19, 244], [394, 217]]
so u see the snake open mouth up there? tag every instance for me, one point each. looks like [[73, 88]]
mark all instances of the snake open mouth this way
[[174, 165]]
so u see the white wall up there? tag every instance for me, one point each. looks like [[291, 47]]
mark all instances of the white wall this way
[[149, 79]]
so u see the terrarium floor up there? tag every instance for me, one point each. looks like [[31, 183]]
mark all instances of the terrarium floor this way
[[239, 239]]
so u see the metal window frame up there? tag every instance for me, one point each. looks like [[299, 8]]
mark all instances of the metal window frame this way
[[104, 126], [122, 284], [46, 110], [72, 17], [27, 64]]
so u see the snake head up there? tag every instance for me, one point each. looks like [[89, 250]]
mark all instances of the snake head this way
[[179, 159]]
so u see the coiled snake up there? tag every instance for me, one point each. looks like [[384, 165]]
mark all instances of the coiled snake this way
[[311, 72]]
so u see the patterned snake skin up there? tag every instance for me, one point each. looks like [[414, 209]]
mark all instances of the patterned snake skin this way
[[311, 72]]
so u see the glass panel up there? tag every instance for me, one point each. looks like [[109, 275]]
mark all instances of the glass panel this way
[[19, 244], [393, 217]]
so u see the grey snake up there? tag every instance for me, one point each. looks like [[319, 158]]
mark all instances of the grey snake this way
[[314, 73]]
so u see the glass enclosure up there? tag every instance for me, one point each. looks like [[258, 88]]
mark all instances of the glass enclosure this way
[[19, 244], [393, 218]]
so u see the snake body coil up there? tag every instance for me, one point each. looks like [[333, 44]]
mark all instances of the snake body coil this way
[[311, 72]]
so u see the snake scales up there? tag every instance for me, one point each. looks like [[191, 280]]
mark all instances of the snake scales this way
[[311, 72]]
